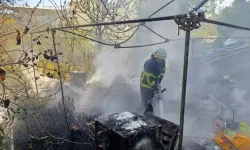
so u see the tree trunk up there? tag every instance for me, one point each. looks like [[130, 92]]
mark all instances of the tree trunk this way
[[99, 37]]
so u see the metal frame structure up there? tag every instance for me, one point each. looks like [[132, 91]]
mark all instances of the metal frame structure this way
[[187, 22]]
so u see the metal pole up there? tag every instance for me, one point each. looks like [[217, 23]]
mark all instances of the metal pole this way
[[184, 83], [233, 115], [61, 82], [225, 24], [193, 41], [199, 5], [119, 22]]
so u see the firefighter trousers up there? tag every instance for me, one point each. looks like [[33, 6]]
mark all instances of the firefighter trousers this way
[[146, 97]]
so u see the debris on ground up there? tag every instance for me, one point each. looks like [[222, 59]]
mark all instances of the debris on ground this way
[[128, 130]]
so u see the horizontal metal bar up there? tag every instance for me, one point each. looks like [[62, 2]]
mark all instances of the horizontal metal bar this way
[[118, 22], [112, 23], [225, 24]]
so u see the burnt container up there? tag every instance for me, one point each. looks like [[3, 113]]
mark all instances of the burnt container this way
[[170, 131], [127, 131]]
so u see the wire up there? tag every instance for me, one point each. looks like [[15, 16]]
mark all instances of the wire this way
[[109, 44], [124, 30], [138, 26], [155, 32], [115, 45], [225, 24], [160, 9], [131, 35], [137, 46], [121, 22]]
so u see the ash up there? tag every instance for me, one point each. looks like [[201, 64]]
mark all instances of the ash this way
[[134, 124], [125, 123], [124, 115]]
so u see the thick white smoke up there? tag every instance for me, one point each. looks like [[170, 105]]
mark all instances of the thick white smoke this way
[[115, 85]]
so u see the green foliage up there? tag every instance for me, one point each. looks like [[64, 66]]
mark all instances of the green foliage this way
[[49, 68], [1, 140], [210, 7], [206, 30], [3, 144]]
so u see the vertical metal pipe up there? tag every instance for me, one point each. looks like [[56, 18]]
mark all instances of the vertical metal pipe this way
[[183, 94], [233, 115], [192, 49], [61, 82]]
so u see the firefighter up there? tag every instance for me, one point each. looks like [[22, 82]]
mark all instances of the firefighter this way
[[75, 136], [151, 76]]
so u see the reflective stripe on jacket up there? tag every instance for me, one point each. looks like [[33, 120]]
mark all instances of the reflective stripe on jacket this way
[[152, 74]]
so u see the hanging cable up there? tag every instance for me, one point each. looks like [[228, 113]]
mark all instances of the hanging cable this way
[[155, 32], [108, 44], [138, 46], [138, 26], [160, 8], [130, 35]]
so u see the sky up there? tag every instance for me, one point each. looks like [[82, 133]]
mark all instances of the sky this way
[[44, 3], [47, 3]]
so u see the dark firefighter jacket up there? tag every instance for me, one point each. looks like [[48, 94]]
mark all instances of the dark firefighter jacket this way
[[152, 74]]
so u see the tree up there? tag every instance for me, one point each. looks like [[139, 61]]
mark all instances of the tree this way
[[94, 11], [210, 6], [7, 2], [8, 33], [235, 14]]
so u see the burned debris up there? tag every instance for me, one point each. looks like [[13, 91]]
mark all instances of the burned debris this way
[[127, 130]]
